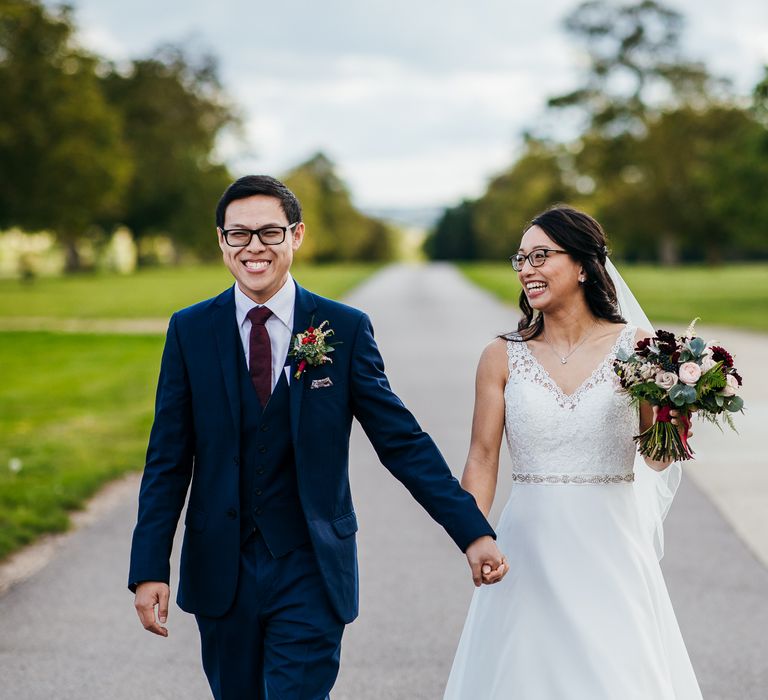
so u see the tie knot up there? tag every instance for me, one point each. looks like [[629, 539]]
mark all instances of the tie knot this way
[[258, 315]]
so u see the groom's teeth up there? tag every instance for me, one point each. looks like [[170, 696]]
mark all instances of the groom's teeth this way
[[257, 264]]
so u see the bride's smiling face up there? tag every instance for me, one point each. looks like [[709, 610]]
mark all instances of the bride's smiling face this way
[[556, 281]]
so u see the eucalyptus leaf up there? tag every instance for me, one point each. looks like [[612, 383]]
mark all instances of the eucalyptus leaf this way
[[735, 404], [719, 400], [623, 355], [697, 346], [689, 394], [676, 391]]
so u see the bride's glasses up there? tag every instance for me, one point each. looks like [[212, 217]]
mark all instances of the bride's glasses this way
[[536, 258]]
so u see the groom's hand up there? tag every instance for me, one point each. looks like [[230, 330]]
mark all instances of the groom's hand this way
[[486, 561], [151, 594]]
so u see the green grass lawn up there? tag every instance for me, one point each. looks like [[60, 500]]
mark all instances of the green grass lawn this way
[[155, 292], [733, 295], [75, 411]]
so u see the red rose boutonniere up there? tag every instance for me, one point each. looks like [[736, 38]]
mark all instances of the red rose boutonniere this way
[[311, 348]]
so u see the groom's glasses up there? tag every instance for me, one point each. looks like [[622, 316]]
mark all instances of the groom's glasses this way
[[269, 235], [536, 258]]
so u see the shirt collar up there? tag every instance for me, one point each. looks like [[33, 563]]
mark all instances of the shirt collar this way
[[280, 304]]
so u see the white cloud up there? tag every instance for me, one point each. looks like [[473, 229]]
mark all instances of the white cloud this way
[[419, 103]]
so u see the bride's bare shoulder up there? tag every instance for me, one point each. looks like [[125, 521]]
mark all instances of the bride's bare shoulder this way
[[494, 358]]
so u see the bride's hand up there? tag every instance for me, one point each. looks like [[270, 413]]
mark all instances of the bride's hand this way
[[483, 553], [490, 576], [676, 417]]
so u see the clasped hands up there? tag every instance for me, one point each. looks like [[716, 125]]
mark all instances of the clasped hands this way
[[487, 563]]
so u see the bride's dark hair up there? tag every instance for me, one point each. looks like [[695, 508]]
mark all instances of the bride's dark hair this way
[[584, 240]]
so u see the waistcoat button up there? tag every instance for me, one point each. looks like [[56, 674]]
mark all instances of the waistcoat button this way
[[231, 513]]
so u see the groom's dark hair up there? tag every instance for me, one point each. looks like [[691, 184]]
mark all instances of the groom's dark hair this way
[[584, 240], [251, 185]]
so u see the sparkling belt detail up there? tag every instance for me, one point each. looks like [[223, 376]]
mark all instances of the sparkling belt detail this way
[[528, 478]]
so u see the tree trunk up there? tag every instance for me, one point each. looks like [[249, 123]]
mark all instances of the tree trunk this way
[[669, 250], [73, 263]]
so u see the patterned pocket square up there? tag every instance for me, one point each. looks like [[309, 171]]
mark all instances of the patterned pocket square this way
[[321, 383]]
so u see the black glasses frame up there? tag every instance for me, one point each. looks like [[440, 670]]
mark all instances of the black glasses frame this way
[[256, 232], [518, 259]]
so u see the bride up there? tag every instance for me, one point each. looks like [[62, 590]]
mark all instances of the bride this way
[[583, 612]]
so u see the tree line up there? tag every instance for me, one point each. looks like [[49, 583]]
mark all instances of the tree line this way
[[667, 157], [87, 146]]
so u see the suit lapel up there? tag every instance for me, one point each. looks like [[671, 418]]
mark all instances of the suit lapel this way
[[225, 331], [303, 311]]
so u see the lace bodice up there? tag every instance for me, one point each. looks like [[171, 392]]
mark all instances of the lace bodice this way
[[584, 437]]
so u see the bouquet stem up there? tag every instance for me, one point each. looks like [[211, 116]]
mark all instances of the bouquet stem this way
[[663, 441]]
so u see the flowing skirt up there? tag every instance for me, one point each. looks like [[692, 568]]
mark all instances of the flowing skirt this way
[[583, 613]]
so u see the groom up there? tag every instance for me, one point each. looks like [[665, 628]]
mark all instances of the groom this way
[[260, 441]]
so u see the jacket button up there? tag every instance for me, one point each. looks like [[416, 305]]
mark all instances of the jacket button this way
[[262, 449], [231, 513], [259, 492], [264, 428], [236, 460], [260, 472], [257, 511]]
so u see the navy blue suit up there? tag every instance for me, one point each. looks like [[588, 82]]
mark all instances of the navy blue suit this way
[[195, 445]]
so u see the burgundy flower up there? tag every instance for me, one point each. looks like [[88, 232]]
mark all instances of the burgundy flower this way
[[642, 347], [737, 376], [722, 355]]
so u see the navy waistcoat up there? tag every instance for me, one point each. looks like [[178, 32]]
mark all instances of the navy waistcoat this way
[[269, 494]]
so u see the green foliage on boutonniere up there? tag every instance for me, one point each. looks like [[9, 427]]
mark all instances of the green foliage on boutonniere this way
[[311, 349]]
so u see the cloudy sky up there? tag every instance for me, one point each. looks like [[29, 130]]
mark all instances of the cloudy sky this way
[[418, 102]]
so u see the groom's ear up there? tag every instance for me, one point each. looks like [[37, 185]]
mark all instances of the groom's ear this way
[[298, 236]]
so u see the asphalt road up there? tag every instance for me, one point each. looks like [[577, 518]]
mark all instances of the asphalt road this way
[[70, 631]]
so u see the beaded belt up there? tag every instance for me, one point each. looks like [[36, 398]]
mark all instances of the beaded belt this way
[[528, 478]]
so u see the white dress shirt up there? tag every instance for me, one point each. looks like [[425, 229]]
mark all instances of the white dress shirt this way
[[279, 325]]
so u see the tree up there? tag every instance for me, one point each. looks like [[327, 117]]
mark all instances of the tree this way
[[63, 158], [453, 237], [174, 110], [336, 230], [535, 182], [635, 64]]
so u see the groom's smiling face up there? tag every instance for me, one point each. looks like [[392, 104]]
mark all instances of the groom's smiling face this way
[[260, 270]]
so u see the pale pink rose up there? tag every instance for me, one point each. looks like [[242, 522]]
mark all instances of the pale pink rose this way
[[666, 380], [689, 373], [707, 363], [731, 386]]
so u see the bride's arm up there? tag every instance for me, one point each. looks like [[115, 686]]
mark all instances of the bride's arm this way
[[482, 467]]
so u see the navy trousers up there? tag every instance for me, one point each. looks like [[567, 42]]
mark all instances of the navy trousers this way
[[281, 639]]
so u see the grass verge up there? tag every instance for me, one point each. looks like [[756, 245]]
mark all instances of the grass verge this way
[[156, 292], [75, 412], [732, 295]]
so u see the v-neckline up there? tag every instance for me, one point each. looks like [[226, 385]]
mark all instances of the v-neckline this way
[[585, 384]]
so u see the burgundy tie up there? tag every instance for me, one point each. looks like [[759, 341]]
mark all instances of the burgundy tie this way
[[260, 353]]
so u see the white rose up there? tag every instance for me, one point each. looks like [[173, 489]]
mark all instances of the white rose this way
[[731, 386], [689, 373], [666, 380], [707, 363]]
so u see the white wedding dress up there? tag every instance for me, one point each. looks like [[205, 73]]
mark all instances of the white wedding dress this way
[[583, 613]]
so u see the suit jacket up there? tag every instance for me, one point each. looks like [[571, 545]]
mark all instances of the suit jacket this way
[[194, 445]]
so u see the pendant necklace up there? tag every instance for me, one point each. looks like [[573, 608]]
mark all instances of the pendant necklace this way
[[564, 358]]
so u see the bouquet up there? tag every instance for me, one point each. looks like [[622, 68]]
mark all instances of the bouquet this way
[[683, 373]]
